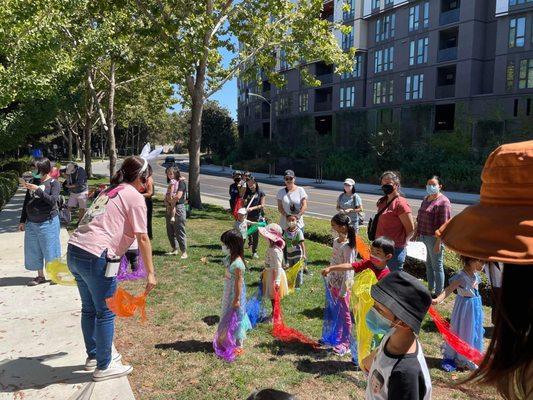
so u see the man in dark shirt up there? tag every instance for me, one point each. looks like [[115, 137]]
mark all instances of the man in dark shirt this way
[[77, 186], [236, 189]]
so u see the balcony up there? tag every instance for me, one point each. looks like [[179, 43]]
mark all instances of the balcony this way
[[443, 92], [323, 106], [323, 99], [325, 79], [447, 54], [449, 17]]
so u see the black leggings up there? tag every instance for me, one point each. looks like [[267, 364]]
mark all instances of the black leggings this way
[[149, 210], [254, 237]]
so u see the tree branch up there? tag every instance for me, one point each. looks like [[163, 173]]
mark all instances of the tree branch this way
[[97, 102]]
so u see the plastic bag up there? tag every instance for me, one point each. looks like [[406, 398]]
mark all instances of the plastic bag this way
[[139, 273], [124, 304], [252, 229], [224, 342], [332, 318], [59, 273], [455, 342], [362, 301], [284, 333], [254, 307], [238, 205], [362, 248], [292, 274]]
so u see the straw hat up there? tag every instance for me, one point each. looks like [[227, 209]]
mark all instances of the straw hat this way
[[500, 227], [273, 232]]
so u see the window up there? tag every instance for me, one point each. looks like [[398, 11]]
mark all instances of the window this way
[[376, 4], [517, 32], [347, 97], [518, 2], [384, 60], [350, 13], [389, 2], [509, 76], [356, 72], [283, 105], [283, 64], [383, 92], [515, 108], [414, 87], [418, 51], [347, 40], [419, 16], [303, 102], [525, 79], [385, 27]]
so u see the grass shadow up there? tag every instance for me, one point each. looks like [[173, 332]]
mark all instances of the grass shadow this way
[[324, 367], [320, 263], [258, 269], [429, 326], [317, 312], [187, 346], [433, 362], [206, 246], [279, 349], [211, 320]]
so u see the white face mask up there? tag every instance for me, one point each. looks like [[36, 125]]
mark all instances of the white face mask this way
[[225, 250]]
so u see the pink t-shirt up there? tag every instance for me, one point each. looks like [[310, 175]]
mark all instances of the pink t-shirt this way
[[112, 222], [389, 223]]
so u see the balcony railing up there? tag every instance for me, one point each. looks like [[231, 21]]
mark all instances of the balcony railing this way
[[325, 79], [447, 54], [449, 17], [445, 91], [322, 105]]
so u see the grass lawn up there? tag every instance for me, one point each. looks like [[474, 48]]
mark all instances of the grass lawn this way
[[172, 352]]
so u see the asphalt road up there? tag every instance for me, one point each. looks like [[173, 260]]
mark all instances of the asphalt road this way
[[322, 202]]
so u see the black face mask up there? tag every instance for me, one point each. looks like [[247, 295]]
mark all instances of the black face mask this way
[[387, 189], [237, 180]]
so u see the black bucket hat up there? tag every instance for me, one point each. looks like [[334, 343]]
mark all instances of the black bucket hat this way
[[405, 296]]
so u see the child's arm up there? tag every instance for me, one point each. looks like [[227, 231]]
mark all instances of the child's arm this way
[[449, 290], [304, 253], [340, 267], [278, 264], [368, 360], [238, 288]]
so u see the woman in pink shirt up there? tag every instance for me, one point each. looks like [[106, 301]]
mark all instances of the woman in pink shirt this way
[[396, 221], [115, 219]]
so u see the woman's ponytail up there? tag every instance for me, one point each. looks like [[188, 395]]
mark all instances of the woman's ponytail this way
[[118, 178], [130, 170]]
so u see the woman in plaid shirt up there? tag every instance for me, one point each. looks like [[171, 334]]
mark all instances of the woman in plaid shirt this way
[[434, 212]]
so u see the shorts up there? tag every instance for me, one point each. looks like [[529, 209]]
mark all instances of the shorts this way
[[78, 200]]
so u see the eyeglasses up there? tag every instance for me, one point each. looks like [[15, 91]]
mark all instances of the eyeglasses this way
[[289, 178]]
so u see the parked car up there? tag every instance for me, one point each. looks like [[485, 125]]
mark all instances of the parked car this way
[[170, 161]]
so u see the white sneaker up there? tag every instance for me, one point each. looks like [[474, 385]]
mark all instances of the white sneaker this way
[[90, 363], [172, 253], [114, 370], [184, 256], [172, 219], [256, 256]]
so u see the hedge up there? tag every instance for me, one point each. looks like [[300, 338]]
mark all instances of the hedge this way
[[8, 186], [17, 165]]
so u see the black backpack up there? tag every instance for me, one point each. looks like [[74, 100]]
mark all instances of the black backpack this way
[[64, 213], [373, 222]]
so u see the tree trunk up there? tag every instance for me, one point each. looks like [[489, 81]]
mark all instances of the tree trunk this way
[[69, 144], [111, 122], [195, 137], [87, 130]]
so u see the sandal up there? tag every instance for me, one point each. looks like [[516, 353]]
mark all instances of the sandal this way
[[37, 281]]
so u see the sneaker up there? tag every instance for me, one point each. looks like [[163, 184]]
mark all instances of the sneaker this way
[[172, 219], [184, 256], [114, 370], [90, 363], [448, 365], [39, 280], [306, 271], [255, 255], [239, 351], [172, 253], [341, 351]]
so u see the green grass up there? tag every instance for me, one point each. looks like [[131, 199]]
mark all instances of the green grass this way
[[172, 353]]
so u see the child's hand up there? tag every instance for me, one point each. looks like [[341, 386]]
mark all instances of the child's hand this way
[[276, 287], [325, 271], [236, 304], [435, 302]]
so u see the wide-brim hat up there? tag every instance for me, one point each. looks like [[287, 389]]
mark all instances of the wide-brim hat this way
[[273, 232], [500, 227]]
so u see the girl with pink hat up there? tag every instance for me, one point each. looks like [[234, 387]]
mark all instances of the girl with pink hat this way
[[273, 277]]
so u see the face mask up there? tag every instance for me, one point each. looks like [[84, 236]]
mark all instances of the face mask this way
[[432, 189], [387, 189], [36, 174], [376, 260], [225, 250], [237, 180], [377, 323]]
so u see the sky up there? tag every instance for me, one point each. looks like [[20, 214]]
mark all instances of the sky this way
[[227, 95]]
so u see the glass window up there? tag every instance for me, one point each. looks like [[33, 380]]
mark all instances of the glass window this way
[[426, 14], [303, 102], [283, 64], [412, 52], [414, 87], [509, 76], [347, 40], [389, 2], [375, 4], [350, 13], [518, 2], [418, 51], [382, 92], [347, 96], [384, 60], [356, 72], [525, 80], [517, 32], [385, 27]]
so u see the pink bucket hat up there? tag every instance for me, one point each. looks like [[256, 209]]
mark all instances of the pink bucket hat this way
[[273, 232]]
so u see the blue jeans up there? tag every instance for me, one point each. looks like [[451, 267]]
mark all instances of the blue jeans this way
[[434, 264], [398, 259], [97, 321], [41, 243]]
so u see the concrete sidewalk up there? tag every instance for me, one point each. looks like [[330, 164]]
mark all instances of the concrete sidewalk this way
[[42, 353], [413, 193]]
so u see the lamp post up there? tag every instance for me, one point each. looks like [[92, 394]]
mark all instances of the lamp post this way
[[270, 165]]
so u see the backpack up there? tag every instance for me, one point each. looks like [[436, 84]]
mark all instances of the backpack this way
[[188, 209], [64, 213]]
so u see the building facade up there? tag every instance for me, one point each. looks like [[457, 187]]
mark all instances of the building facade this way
[[426, 65]]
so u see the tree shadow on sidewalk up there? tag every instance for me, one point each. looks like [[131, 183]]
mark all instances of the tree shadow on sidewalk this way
[[14, 281], [32, 373]]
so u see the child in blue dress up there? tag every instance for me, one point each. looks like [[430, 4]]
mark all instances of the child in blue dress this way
[[234, 297], [467, 315]]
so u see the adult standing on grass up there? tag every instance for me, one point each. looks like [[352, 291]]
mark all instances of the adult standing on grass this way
[[175, 223], [254, 200], [292, 200], [350, 203], [40, 220], [500, 229], [434, 212], [109, 227], [77, 187], [396, 219]]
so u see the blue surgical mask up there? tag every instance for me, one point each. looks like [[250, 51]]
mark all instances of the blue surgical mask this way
[[36, 174], [432, 189], [377, 323]]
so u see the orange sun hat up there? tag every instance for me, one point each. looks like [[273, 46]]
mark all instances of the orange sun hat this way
[[500, 227]]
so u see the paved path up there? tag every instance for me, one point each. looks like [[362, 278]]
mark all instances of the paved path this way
[[42, 351]]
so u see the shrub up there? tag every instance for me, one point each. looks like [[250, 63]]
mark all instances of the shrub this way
[[8, 186], [18, 165]]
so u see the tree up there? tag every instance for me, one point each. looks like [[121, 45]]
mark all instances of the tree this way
[[195, 33], [219, 133]]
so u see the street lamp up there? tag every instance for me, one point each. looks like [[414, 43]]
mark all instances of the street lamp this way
[[270, 166]]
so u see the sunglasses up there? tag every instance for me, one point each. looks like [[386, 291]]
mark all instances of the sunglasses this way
[[288, 178]]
